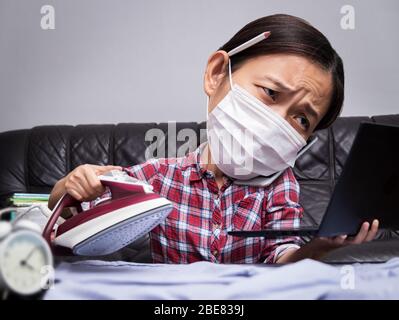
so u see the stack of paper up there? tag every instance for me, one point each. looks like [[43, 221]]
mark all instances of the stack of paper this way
[[28, 199]]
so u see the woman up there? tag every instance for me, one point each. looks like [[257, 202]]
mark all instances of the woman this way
[[267, 98]]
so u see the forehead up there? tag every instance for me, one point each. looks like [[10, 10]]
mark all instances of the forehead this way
[[298, 73]]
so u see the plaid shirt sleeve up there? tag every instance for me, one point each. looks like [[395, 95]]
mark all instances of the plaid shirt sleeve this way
[[146, 171], [282, 211]]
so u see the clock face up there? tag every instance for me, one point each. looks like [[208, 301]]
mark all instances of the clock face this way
[[24, 257]]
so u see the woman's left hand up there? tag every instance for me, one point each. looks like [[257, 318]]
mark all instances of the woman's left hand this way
[[320, 246]]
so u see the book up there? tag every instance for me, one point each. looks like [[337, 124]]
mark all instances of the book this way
[[43, 196], [28, 199]]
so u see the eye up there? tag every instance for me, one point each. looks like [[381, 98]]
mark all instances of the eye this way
[[271, 93], [304, 122]]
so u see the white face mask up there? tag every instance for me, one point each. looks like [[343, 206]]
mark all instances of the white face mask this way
[[248, 139]]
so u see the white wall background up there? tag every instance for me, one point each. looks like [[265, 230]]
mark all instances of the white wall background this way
[[140, 61]]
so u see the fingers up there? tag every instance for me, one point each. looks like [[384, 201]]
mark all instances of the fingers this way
[[75, 185], [373, 230], [340, 240], [83, 184], [103, 169], [74, 194], [366, 233], [93, 182], [75, 189], [362, 234]]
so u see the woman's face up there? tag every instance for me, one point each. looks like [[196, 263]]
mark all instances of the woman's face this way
[[293, 86]]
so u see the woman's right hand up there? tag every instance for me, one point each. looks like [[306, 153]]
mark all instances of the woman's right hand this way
[[83, 184]]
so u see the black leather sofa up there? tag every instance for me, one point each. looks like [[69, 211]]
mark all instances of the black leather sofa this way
[[32, 160]]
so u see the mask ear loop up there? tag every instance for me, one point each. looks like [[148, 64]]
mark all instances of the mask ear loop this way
[[207, 107], [230, 76]]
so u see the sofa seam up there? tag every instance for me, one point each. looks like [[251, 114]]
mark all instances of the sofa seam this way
[[26, 160], [331, 157], [68, 151], [111, 146]]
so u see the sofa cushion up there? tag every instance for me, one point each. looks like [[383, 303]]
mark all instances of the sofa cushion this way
[[33, 160]]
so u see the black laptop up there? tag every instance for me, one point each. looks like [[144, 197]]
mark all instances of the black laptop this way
[[368, 188]]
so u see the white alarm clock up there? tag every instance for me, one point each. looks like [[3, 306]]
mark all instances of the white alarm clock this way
[[26, 260]]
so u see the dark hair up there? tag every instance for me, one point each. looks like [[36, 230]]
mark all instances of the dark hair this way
[[290, 34]]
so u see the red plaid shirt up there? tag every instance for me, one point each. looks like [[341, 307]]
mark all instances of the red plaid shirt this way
[[197, 227]]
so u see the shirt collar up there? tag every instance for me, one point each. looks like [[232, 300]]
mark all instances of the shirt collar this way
[[193, 161]]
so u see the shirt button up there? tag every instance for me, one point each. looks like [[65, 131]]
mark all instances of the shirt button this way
[[215, 253]]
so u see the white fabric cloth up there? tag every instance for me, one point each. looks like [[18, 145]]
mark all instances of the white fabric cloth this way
[[306, 279]]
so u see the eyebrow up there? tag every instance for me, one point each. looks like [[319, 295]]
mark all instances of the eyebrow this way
[[309, 108], [312, 111], [278, 83]]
